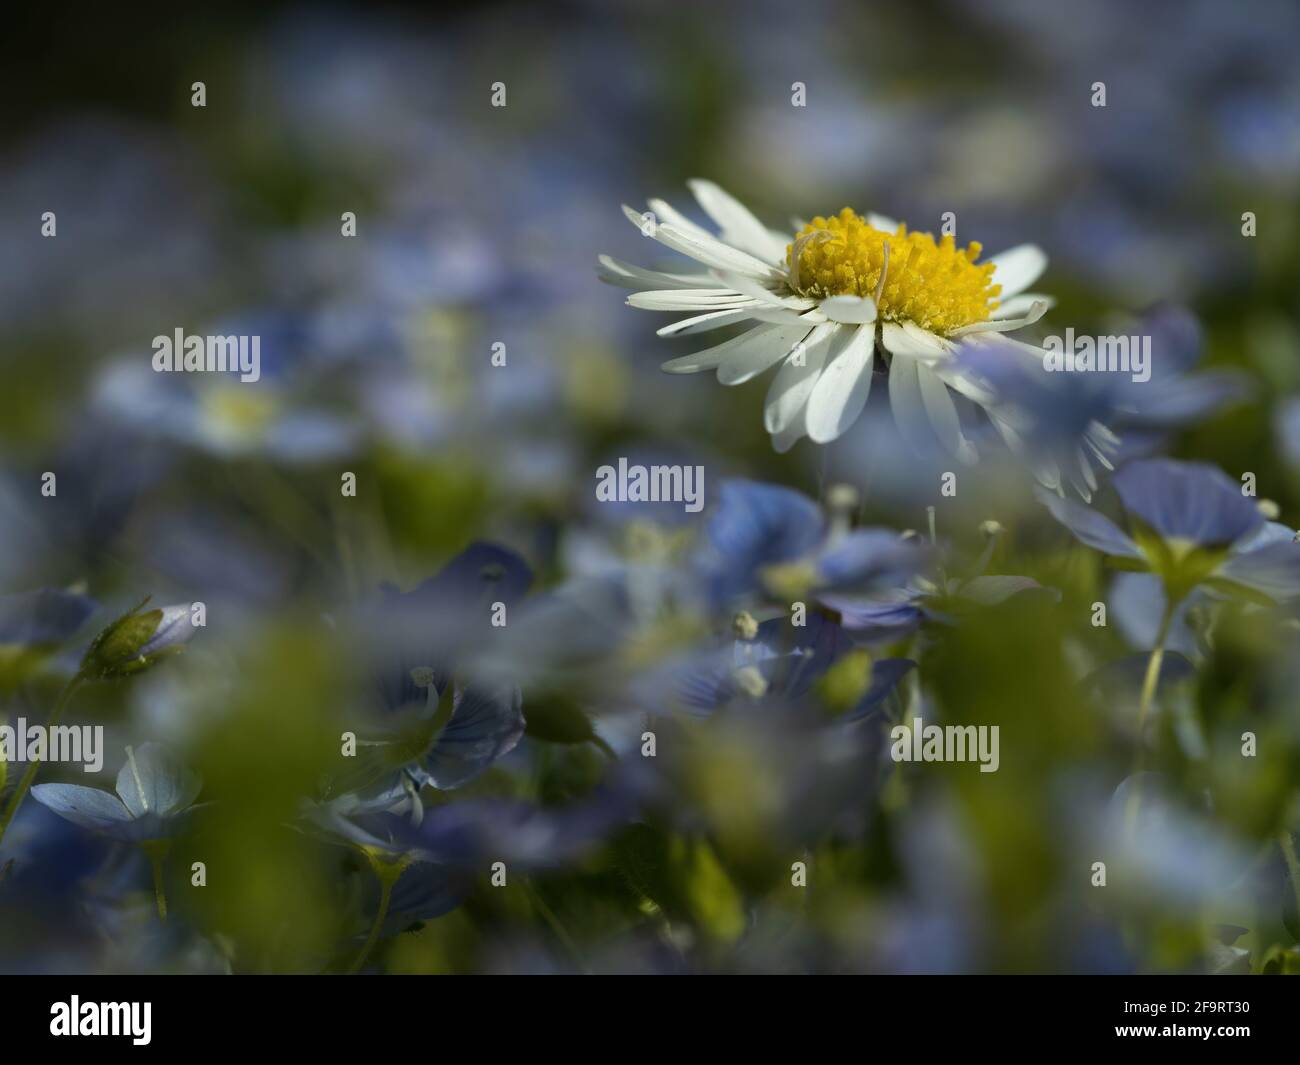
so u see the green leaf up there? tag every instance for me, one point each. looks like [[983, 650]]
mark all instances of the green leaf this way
[[556, 718], [643, 858], [1281, 961], [715, 901]]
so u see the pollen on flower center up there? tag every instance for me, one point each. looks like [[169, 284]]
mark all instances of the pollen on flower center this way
[[938, 286]]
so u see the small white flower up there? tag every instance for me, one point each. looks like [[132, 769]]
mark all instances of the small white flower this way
[[826, 302]]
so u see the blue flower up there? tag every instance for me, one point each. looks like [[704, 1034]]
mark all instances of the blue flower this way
[[1191, 525], [42, 618], [763, 536], [934, 596], [441, 716], [471, 834], [409, 884], [774, 662], [1175, 395], [1054, 423], [154, 800]]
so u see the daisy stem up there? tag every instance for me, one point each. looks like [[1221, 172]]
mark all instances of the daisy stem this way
[[1150, 683], [1292, 864], [33, 767]]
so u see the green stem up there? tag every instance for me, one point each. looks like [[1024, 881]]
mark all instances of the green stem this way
[[1150, 684], [1292, 865], [553, 922], [388, 874], [29, 776], [156, 851]]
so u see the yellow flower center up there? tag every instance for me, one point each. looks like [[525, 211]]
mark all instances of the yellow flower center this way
[[938, 286], [235, 411]]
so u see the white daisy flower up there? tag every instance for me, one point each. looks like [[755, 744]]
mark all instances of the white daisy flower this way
[[828, 301]]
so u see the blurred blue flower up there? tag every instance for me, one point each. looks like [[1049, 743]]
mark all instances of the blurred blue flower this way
[[936, 595], [42, 618], [155, 798], [1191, 525], [763, 536], [1055, 423], [472, 833], [1176, 395], [285, 413], [425, 647], [773, 664]]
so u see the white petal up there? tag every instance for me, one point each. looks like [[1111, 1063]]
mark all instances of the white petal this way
[[703, 322], [752, 288], [906, 403], [705, 249], [1036, 310], [788, 437], [666, 212], [737, 222], [854, 310], [882, 222], [616, 272], [911, 340], [1018, 305], [712, 299], [765, 313], [712, 358], [965, 384], [943, 414], [842, 389], [792, 385], [1017, 268], [747, 362]]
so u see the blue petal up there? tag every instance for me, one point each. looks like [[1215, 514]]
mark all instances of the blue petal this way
[[484, 726], [42, 617], [1189, 501], [439, 623], [422, 892], [90, 808], [1286, 426], [1273, 569], [886, 673], [757, 524], [483, 573], [1192, 398], [164, 784], [1271, 532], [866, 558], [1090, 526], [175, 627], [476, 831], [1137, 603], [873, 620], [817, 645], [699, 682]]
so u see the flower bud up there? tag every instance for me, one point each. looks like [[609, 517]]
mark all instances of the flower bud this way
[[137, 640]]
